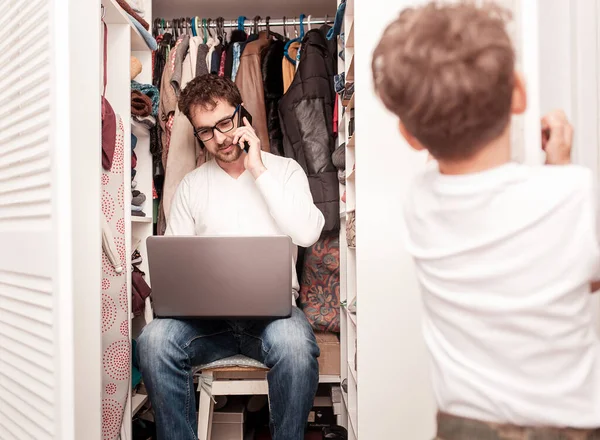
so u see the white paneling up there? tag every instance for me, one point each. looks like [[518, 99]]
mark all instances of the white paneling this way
[[395, 397], [27, 357]]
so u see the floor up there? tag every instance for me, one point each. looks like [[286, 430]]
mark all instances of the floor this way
[[264, 435]]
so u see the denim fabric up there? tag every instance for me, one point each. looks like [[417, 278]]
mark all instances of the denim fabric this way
[[148, 38], [459, 428], [236, 60], [337, 23], [169, 348]]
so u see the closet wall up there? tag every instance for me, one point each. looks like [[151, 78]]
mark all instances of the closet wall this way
[[559, 53]]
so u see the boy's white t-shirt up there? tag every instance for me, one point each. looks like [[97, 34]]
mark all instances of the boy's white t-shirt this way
[[504, 258]]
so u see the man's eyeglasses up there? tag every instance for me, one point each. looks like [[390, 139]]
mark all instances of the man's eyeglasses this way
[[205, 134]]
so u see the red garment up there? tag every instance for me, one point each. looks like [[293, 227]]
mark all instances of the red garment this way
[[335, 116], [222, 66], [139, 291]]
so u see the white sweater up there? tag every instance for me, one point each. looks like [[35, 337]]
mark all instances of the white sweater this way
[[209, 202]]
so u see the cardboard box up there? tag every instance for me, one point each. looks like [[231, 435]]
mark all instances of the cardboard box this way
[[228, 422], [329, 361]]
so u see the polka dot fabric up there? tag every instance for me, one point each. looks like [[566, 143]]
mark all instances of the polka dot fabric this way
[[115, 321], [112, 415], [119, 158], [108, 206], [110, 388], [123, 298], [116, 360], [109, 312], [125, 328]]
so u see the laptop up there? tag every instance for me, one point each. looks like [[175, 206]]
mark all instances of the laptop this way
[[221, 277]]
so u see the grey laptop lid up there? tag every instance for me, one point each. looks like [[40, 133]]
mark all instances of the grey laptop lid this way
[[221, 277]]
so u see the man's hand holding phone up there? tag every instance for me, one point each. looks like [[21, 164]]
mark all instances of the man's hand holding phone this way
[[253, 160]]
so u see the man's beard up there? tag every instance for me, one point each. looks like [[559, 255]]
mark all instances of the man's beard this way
[[229, 157]]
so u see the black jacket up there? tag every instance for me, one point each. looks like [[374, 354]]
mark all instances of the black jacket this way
[[306, 116], [272, 74]]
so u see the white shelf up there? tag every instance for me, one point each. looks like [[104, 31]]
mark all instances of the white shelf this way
[[351, 316], [352, 373], [135, 219], [350, 104], [137, 402], [351, 141], [352, 416], [114, 14], [350, 35], [329, 378], [350, 70]]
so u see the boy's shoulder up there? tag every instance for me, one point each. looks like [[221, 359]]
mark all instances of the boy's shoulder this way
[[563, 177]]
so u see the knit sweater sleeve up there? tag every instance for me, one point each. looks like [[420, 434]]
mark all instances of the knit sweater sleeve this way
[[291, 204]]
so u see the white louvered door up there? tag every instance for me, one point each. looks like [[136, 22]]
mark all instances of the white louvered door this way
[[49, 262]]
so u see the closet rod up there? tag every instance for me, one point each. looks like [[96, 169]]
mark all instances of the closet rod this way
[[263, 23]]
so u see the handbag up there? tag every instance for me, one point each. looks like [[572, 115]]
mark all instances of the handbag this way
[[109, 119]]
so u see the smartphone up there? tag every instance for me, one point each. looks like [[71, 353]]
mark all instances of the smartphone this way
[[243, 113]]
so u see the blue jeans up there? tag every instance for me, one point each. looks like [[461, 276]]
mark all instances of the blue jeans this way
[[168, 349]]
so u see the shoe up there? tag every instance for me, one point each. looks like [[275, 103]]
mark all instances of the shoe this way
[[136, 257], [138, 198]]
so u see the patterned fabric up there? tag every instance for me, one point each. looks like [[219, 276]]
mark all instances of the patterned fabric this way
[[233, 361], [458, 428], [236, 60], [320, 285], [351, 229], [115, 319]]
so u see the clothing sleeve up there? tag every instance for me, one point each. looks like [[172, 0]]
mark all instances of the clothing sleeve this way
[[291, 205], [181, 221]]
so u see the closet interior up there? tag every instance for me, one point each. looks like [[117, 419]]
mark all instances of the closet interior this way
[[143, 169]]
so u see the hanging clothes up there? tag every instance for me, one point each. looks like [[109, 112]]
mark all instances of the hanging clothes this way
[[236, 37], [236, 60], [210, 43], [168, 103], [215, 62], [223, 63], [184, 151], [306, 114], [272, 75], [288, 68], [249, 81], [181, 51]]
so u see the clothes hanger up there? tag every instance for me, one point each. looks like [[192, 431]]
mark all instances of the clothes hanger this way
[[284, 28], [208, 22], [294, 20], [309, 25], [220, 29], [270, 33], [204, 33], [297, 39], [255, 27], [241, 20]]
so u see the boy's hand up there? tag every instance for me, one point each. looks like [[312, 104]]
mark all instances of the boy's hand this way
[[557, 138]]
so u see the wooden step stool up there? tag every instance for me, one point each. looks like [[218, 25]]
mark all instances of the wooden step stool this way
[[233, 376]]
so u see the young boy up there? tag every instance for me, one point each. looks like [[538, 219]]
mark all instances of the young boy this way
[[504, 252]]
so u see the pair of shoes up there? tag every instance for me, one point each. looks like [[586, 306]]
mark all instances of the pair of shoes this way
[[138, 198]]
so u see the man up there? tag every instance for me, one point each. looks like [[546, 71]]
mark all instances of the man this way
[[505, 253], [237, 193]]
